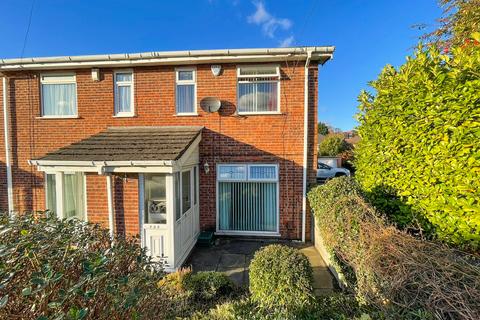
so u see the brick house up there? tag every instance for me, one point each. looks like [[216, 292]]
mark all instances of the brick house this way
[[134, 142]]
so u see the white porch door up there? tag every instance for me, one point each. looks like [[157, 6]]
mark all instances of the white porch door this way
[[154, 218]]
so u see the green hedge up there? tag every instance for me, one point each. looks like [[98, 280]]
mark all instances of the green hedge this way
[[419, 154], [403, 276], [281, 278]]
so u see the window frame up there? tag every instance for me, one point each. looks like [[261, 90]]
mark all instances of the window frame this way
[[131, 83], [259, 67], [58, 74], [275, 233], [193, 82], [59, 190]]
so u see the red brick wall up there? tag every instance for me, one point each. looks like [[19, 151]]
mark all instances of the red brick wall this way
[[227, 138]]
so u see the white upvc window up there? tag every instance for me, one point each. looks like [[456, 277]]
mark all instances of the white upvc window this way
[[58, 95], [186, 91], [258, 89], [247, 198], [124, 94], [65, 194]]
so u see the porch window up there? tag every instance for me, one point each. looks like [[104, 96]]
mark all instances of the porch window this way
[[73, 190], [185, 91], [155, 198], [123, 93], [59, 95], [248, 198], [50, 192], [74, 196], [186, 192], [258, 89]]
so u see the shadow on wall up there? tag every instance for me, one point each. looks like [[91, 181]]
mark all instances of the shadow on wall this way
[[218, 148], [25, 198]]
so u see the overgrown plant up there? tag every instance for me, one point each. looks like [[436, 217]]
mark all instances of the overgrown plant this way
[[419, 155], [398, 273], [281, 280], [68, 269]]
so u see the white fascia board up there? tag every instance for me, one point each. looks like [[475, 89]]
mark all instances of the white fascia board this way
[[167, 58], [97, 164]]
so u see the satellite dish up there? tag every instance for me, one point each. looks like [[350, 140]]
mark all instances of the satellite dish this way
[[210, 104]]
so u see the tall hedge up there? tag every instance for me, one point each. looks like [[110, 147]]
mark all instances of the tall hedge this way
[[420, 147]]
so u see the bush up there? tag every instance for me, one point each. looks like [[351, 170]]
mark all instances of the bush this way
[[68, 268], [419, 152], [208, 285], [333, 145], [281, 279], [394, 271]]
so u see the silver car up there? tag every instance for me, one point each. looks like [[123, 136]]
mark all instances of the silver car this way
[[325, 172]]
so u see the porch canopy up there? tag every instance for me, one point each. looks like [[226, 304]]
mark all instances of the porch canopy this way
[[126, 149]]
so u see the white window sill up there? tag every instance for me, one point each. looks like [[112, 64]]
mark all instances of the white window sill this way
[[58, 117], [186, 114], [124, 115], [259, 113]]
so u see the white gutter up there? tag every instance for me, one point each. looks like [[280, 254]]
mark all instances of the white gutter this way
[[7, 148], [167, 57], [101, 163], [305, 147]]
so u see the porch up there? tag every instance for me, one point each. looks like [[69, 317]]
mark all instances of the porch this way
[[232, 256]]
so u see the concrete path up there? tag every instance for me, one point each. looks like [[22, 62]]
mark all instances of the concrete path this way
[[233, 256]]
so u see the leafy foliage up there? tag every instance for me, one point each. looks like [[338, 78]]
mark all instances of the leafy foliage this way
[[209, 285], [402, 276], [419, 155], [333, 145], [322, 128], [281, 279], [460, 19], [67, 269]]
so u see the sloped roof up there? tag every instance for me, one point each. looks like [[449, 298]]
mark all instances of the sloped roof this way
[[129, 144]]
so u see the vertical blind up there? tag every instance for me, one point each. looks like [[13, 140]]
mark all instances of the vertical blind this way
[[248, 206], [257, 97], [247, 197], [185, 91], [258, 88]]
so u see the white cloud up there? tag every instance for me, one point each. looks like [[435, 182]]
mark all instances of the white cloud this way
[[267, 21], [287, 42]]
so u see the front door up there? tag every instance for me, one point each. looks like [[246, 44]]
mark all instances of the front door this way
[[155, 221]]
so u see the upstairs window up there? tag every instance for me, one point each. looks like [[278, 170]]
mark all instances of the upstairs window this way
[[185, 92], [59, 95], [258, 89], [124, 93]]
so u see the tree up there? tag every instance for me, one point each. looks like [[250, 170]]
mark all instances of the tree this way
[[461, 18], [333, 145], [322, 128]]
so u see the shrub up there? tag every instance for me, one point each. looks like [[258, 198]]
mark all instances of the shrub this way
[[394, 271], [333, 145], [281, 279], [419, 150], [69, 269], [208, 285]]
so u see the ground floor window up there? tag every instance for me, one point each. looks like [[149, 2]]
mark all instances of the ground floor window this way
[[248, 197], [73, 194]]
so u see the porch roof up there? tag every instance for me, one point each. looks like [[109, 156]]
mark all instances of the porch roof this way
[[166, 143]]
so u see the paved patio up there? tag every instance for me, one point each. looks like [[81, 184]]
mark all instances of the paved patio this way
[[232, 256]]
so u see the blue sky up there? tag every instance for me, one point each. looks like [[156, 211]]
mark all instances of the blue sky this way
[[367, 33]]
